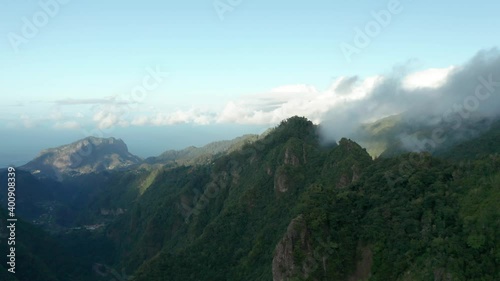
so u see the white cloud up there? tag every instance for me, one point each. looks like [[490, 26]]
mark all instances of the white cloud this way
[[349, 100], [429, 78], [427, 96], [56, 114], [27, 121], [114, 100], [286, 101], [140, 121], [107, 119], [193, 115], [68, 125]]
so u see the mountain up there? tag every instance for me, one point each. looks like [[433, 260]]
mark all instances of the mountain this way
[[201, 155], [480, 146], [85, 156], [55, 201], [397, 134], [93, 155], [287, 207]]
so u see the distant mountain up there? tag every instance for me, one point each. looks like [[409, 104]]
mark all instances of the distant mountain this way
[[481, 146], [201, 155], [381, 136], [398, 134], [82, 157]]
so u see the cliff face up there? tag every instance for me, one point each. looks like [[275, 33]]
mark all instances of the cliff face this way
[[82, 157], [292, 157], [289, 256], [297, 256]]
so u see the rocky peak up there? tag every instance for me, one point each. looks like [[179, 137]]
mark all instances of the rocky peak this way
[[296, 239], [84, 156]]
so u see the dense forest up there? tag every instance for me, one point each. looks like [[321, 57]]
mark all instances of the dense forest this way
[[285, 206]]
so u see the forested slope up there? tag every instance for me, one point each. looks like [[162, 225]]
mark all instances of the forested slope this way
[[286, 207]]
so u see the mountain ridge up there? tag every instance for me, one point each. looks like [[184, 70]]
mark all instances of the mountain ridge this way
[[288, 207], [84, 156]]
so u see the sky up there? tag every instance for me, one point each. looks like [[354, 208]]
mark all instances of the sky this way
[[169, 74]]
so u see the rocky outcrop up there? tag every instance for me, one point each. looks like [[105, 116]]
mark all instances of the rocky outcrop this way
[[294, 244], [356, 173], [82, 157], [349, 177], [297, 257], [269, 171], [290, 158], [281, 182], [343, 181]]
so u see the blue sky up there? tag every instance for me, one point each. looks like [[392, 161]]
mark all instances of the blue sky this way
[[77, 72]]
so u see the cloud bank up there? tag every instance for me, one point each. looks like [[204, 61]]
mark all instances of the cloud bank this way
[[346, 103], [434, 95]]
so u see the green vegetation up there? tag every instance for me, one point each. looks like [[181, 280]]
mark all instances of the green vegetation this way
[[409, 217], [423, 226], [40, 256]]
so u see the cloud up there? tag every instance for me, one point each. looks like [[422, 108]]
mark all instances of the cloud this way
[[348, 102], [106, 119], [424, 96], [140, 121], [56, 114], [344, 85], [193, 116], [292, 100], [163, 118], [27, 121], [105, 101], [67, 125], [430, 78]]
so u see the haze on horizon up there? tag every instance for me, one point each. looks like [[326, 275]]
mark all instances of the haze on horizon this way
[[168, 74]]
